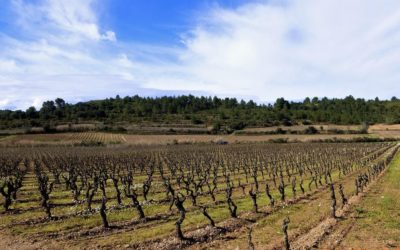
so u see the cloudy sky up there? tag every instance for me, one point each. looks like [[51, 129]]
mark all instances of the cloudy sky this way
[[90, 49]]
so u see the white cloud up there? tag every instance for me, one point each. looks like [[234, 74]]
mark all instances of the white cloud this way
[[8, 66], [109, 35], [4, 102], [260, 50], [302, 48], [63, 53], [72, 20]]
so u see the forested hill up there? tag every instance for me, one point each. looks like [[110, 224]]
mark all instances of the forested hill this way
[[207, 110]]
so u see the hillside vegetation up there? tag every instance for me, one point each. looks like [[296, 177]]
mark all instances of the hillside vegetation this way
[[203, 112]]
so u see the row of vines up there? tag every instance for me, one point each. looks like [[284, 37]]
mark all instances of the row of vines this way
[[182, 178]]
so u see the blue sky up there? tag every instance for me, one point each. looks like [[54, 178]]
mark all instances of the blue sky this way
[[157, 21], [261, 49]]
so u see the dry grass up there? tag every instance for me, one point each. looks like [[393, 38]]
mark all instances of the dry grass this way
[[384, 130], [380, 127]]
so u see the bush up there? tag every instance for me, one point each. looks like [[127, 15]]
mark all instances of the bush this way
[[196, 120], [280, 131], [287, 122], [335, 131], [216, 127], [364, 128], [311, 130], [236, 125], [120, 129], [90, 144], [279, 140]]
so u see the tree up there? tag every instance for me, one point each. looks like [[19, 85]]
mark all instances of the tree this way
[[281, 103], [228, 112], [60, 103], [47, 110], [307, 101], [31, 113]]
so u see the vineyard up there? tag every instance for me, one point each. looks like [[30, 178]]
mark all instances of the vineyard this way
[[246, 196], [84, 138], [103, 139]]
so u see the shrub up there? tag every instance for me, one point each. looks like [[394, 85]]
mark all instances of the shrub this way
[[196, 120], [236, 125], [311, 130]]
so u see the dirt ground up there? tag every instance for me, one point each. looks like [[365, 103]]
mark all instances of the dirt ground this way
[[9, 242]]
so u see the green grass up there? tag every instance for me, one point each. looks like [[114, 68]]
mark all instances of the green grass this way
[[379, 212]]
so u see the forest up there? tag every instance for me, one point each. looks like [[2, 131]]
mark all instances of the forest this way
[[207, 110]]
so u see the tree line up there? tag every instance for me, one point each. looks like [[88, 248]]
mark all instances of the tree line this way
[[207, 110]]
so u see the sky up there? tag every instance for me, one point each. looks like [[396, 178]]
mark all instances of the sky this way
[[255, 49]]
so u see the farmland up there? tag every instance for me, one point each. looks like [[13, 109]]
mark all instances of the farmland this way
[[196, 125], [185, 196], [386, 132]]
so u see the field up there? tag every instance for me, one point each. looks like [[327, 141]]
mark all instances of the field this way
[[199, 196], [101, 138], [321, 127]]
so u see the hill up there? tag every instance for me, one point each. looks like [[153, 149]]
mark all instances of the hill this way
[[200, 114]]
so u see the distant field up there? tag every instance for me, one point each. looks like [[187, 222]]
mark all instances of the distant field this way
[[303, 127], [380, 127], [163, 139], [64, 138], [110, 138], [385, 130], [197, 134]]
